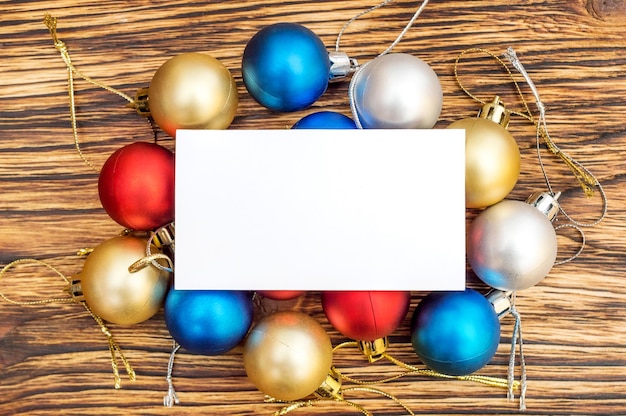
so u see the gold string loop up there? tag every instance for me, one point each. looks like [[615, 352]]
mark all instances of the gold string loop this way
[[51, 23], [382, 393], [15, 263], [291, 406], [114, 348], [586, 180], [332, 390], [149, 261], [411, 370]]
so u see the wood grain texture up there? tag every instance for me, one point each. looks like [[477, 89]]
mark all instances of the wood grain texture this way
[[54, 358]]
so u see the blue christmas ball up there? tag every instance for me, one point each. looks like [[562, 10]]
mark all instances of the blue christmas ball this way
[[285, 67], [325, 120], [455, 333], [208, 322]]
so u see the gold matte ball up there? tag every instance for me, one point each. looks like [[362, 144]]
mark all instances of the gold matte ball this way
[[492, 161], [192, 91], [116, 294], [287, 355]]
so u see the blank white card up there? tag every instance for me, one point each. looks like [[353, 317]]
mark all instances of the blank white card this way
[[320, 210]]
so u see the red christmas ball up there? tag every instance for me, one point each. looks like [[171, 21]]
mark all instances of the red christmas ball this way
[[280, 294], [136, 186], [366, 315]]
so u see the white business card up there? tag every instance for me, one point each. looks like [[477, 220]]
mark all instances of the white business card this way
[[320, 210]]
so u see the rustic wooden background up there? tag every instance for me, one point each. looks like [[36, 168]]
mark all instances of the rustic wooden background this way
[[54, 359]]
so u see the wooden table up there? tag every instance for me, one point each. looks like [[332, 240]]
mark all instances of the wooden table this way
[[53, 357]]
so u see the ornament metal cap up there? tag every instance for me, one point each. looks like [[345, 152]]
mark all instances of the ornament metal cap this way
[[496, 112], [545, 202], [375, 349], [164, 236], [501, 302], [164, 239], [330, 387], [75, 289], [341, 66], [140, 103]]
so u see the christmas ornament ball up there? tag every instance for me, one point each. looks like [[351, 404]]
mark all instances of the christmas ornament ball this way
[[511, 245], [455, 333], [397, 91], [492, 161], [325, 120], [115, 293], [192, 91], [287, 355], [136, 186], [366, 315], [281, 294], [208, 322], [285, 67]]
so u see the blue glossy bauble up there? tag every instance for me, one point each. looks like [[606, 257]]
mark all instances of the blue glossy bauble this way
[[325, 120], [208, 322], [455, 333], [285, 67]]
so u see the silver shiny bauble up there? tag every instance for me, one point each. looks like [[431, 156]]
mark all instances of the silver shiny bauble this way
[[397, 91], [511, 245]]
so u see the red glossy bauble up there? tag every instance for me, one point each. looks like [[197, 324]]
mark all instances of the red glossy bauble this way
[[280, 294], [366, 315], [136, 186]]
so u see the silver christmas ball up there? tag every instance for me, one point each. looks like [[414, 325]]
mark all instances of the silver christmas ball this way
[[511, 245], [397, 91]]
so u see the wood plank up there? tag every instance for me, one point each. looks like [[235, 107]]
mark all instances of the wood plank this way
[[54, 358]]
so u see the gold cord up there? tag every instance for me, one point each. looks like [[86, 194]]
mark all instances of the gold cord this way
[[487, 380], [150, 260], [51, 24], [585, 179], [382, 393], [295, 405], [34, 302], [114, 348]]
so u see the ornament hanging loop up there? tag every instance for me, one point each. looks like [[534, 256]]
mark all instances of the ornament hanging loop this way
[[114, 347], [411, 370], [585, 178], [378, 6], [150, 261], [141, 107], [34, 302], [171, 397]]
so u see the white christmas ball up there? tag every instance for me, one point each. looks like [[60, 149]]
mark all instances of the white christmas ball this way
[[397, 91]]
